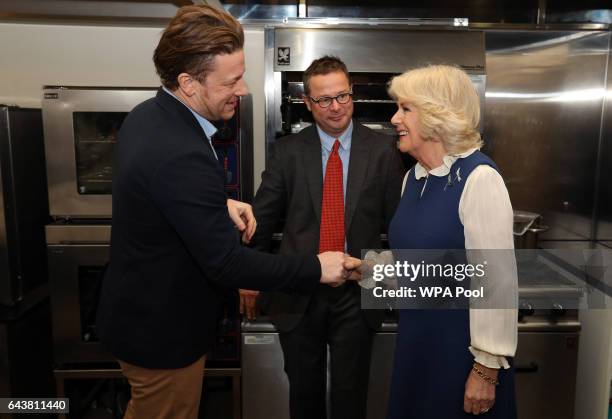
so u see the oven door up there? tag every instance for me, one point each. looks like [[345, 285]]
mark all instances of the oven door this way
[[77, 256], [546, 364], [80, 127]]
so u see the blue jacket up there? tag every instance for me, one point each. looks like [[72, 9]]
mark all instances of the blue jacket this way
[[173, 243]]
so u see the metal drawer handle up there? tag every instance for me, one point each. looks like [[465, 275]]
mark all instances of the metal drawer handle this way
[[538, 229], [531, 367]]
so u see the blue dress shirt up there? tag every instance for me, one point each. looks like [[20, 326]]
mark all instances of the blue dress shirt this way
[[207, 126]]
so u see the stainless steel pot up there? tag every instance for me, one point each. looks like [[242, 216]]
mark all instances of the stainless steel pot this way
[[526, 229]]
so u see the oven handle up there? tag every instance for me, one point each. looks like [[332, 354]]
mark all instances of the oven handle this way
[[530, 367], [566, 326]]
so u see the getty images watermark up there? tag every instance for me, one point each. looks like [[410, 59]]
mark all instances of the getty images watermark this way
[[422, 271], [487, 279]]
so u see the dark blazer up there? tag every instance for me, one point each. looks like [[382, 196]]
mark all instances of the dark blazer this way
[[292, 188], [173, 243]]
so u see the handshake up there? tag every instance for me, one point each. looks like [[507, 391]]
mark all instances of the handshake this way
[[337, 267]]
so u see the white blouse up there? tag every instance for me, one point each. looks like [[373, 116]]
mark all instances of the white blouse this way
[[486, 214]]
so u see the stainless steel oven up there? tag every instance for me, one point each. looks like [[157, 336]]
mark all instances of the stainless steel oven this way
[[81, 126], [265, 388], [545, 361], [373, 53], [78, 253]]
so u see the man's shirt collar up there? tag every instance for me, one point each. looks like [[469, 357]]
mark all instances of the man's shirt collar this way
[[327, 141], [207, 126]]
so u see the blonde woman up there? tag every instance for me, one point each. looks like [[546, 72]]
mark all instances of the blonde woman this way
[[451, 364]]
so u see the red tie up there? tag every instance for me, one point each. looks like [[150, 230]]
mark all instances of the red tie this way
[[331, 233]]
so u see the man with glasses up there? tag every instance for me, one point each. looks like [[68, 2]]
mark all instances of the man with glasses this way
[[336, 185]]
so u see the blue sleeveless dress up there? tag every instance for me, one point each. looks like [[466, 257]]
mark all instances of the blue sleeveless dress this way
[[432, 359]]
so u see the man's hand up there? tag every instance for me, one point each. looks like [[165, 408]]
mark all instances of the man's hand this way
[[241, 214], [353, 266], [248, 303], [333, 270]]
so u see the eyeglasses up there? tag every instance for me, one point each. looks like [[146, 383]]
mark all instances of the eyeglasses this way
[[326, 101]]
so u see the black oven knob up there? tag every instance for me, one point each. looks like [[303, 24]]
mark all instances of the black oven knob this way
[[526, 309], [557, 310]]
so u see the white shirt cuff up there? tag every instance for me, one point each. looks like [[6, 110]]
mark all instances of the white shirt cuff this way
[[489, 360]]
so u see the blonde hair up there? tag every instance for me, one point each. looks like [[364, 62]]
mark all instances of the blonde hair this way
[[447, 104]]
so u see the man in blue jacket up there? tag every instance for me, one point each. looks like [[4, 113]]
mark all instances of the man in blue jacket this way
[[173, 242]]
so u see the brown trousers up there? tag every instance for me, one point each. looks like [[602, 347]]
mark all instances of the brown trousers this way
[[164, 394]]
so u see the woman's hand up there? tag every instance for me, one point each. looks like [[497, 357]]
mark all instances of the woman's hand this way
[[479, 394]]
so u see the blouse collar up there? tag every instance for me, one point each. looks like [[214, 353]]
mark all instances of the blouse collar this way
[[444, 168]]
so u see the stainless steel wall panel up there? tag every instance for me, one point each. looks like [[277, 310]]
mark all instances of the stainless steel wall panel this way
[[273, 95], [23, 203], [603, 213], [6, 293], [542, 119], [380, 50]]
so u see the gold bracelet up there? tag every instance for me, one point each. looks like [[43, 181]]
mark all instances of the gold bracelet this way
[[484, 376]]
